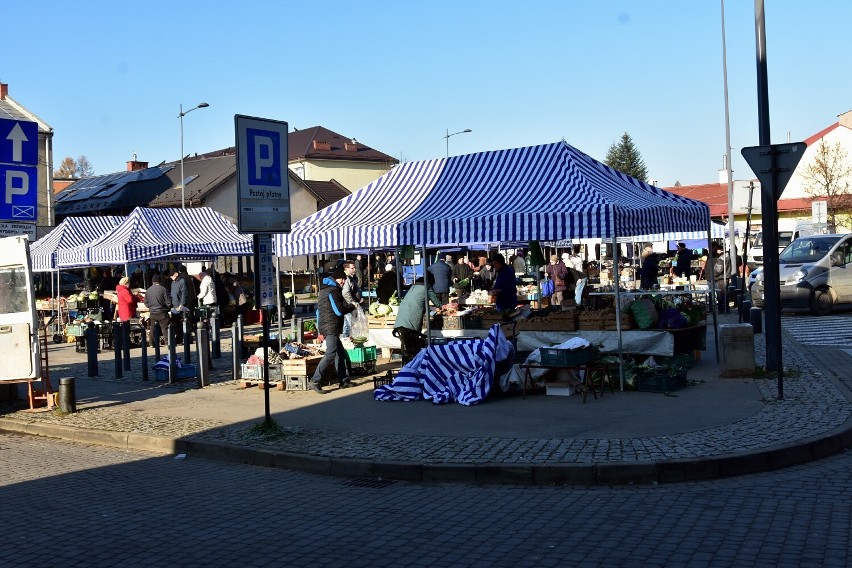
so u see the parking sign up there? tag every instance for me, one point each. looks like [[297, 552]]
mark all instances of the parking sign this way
[[263, 190], [18, 170]]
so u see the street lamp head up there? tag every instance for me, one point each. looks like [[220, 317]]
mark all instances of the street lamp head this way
[[467, 130], [203, 105]]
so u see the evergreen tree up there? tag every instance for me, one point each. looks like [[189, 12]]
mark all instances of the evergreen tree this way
[[624, 157]]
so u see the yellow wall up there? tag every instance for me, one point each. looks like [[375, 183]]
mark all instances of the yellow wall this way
[[351, 175]]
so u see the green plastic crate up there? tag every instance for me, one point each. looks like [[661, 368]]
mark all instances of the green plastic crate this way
[[362, 354]]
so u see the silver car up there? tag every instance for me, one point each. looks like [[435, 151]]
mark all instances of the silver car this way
[[815, 273]]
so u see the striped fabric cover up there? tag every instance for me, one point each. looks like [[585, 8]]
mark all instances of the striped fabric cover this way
[[461, 371], [548, 192], [69, 235], [151, 234]]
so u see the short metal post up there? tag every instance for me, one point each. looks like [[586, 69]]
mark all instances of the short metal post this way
[[116, 344], [170, 342], [745, 308], [67, 395], [144, 348], [235, 353], [756, 319], [155, 338], [187, 338], [125, 343], [203, 354], [300, 338], [239, 338], [92, 340], [215, 351]]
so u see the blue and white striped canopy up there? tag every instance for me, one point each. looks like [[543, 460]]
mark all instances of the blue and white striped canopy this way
[[545, 193], [157, 234], [69, 235]]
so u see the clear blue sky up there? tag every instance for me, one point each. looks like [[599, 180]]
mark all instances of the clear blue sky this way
[[109, 76]]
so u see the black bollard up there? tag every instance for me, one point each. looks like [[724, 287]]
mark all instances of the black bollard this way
[[202, 351], [744, 308], [755, 317], [235, 353], [215, 350], [170, 344], [144, 354], [116, 344], [187, 338], [92, 348], [125, 342], [732, 295], [67, 396]]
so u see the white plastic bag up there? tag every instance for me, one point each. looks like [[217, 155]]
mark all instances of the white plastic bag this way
[[360, 326]]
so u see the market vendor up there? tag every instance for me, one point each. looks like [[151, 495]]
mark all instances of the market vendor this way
[[409, 317], [387, 285], [504, 293], [682, 265], [650, 269]]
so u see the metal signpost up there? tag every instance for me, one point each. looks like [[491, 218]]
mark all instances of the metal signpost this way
[[263, 206], [18, 171]]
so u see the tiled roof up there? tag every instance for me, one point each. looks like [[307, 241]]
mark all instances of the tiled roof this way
[[317, 142], [327, 191], [204, 174], [812, 140], [13, 110], [716, 196], [713, 194]]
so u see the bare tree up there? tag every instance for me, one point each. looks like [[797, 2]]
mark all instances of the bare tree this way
[[67, 169], [828, 176], [84, 167]]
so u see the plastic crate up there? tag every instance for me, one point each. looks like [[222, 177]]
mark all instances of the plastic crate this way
[[550, 356], [296, 382], [660, 379], [462, 322], [188, 371], [247, 371], [386, 379], [362, 354]]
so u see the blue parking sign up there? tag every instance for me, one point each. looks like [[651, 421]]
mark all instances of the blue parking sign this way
[[18, 187]]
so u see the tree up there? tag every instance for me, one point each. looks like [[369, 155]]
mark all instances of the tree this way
[[828, 176], [67, 169], [84, 167], [79, 168], [624, 157]]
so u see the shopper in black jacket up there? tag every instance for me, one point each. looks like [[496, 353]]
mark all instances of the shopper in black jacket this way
[[331, 307]]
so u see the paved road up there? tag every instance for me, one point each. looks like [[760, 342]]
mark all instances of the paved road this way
[[66, 504]]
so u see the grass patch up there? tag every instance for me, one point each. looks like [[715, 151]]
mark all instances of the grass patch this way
[[268, 431]]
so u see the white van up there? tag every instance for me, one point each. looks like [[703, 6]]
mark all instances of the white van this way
[[815, 272], [786, 235]]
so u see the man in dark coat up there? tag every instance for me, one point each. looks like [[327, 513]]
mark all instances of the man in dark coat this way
[[331, 308], [443, 273]]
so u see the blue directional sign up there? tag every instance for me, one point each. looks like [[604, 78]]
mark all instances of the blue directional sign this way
[[18, 171], [263, 190]]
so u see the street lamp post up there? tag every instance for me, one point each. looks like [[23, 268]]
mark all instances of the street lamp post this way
[[447, 137], [182, 177]]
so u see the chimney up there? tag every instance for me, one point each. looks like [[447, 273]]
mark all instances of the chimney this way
[[322, 145], [351, 146], [4, 91], [134, 166]]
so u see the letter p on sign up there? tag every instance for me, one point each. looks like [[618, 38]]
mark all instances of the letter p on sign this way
[[263, 158]]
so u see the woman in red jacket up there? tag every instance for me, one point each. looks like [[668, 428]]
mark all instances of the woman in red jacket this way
[[126, 300]]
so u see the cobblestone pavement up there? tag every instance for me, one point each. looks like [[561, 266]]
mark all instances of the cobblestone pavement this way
[[69, 504], [814, 405]]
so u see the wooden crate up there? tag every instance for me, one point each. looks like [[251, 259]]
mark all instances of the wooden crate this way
[[300, 367], [383, 322]]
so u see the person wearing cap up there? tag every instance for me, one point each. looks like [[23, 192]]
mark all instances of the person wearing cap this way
[[386, 285], [126, 300], [504, 293], [331, 309], [487, 274], [158, 302]]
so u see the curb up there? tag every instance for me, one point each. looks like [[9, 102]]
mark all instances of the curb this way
[[603, 474]]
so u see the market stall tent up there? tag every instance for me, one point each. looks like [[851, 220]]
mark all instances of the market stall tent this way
[[156, 234], [69, 235], [547, 192]]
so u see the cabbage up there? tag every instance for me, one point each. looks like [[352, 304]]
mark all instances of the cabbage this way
[[374, 309], [384, 310], [394, 300]]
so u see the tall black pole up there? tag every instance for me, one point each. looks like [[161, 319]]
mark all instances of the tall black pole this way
[[768, 213]]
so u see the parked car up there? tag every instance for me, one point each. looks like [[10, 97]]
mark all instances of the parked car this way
[[815, 273], [68, 284]]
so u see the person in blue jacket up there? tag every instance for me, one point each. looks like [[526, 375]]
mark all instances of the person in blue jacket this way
[[331, 308], [443, 273]]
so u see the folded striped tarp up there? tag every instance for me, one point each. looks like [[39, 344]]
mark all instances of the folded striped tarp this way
[[460, 371]]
